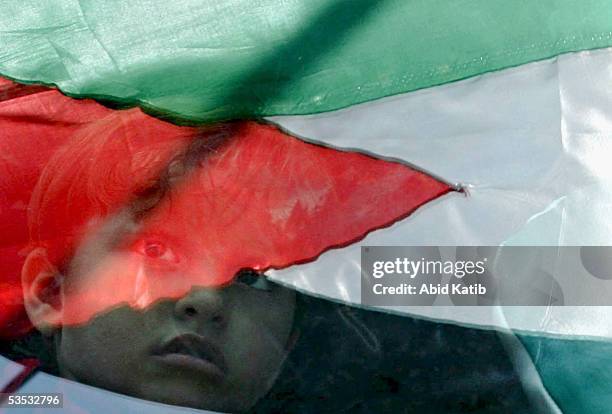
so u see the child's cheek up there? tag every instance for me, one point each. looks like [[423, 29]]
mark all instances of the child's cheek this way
[[116, 279], [259, 359], [128, 278]]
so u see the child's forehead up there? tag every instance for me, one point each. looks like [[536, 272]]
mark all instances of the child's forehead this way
[[189, 202]]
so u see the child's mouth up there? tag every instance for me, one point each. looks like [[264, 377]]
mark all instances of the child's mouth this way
[[192, 351]]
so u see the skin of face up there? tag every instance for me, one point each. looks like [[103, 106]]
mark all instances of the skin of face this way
[[248, 322], [250, 327]]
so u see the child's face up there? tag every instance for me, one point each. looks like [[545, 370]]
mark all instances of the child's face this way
[[243, 331], [217, 348]]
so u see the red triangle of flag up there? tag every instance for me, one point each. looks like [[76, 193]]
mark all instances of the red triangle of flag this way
[[203, 203]]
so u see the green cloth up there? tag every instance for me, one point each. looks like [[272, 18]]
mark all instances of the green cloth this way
[[576, 372], [213, 60]]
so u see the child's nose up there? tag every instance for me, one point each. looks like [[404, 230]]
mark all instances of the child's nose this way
[[202, 306]]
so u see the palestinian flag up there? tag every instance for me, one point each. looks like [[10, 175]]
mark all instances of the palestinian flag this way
[[440, 123]]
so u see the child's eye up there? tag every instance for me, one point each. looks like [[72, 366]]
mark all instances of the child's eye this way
[[254, 279], [155, 249]]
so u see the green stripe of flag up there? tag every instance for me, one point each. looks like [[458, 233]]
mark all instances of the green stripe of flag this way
[[207, 60], [576, 371]]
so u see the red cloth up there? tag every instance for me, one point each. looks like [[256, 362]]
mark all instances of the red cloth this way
[[264, 200]]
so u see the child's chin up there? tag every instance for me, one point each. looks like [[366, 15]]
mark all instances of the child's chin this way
[[195, 397]]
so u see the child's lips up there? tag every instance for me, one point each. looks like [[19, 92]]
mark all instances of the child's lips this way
[[191, 362], [192, 351]]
